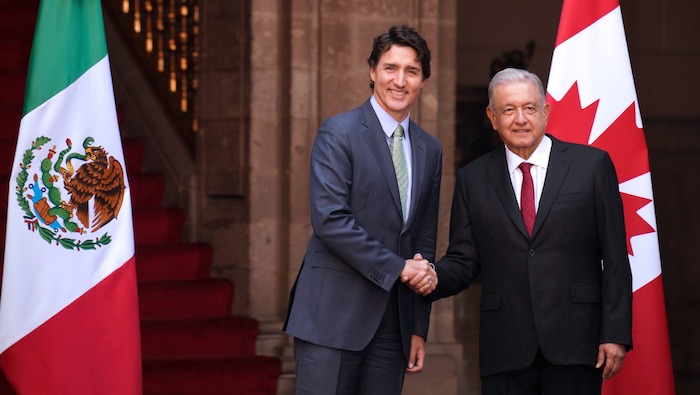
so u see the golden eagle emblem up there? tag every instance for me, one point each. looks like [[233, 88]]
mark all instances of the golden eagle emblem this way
[[95, 190], [101, 178]]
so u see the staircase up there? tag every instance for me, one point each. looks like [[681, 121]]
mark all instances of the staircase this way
[[191, 344]]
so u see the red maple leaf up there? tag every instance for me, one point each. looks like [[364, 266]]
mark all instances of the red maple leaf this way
[[567, 120], [634, 224], [625, 143], [623, 140]]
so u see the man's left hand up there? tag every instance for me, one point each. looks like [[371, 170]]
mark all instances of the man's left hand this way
[[610, 357], [417, 355]]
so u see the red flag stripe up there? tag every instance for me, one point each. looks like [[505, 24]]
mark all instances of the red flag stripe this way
[[575, 18], [85, 326], [647, 369]]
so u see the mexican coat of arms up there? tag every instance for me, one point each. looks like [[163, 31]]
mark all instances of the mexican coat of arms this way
[[66, 201]]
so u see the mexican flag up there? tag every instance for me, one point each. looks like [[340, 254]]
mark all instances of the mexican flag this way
[[69, 309], [593, 98]]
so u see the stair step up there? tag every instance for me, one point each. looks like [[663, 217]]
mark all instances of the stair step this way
[[13, 84], [7, 154], [12, 110], [10, 116], [18, 20], [158, 225], [174, 261], [211, 297], [133, 153], [146, 189], [220, 337], [250, 376], [15, 52], [9, 130]]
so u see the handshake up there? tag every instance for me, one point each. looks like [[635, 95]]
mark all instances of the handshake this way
[[419, 275]]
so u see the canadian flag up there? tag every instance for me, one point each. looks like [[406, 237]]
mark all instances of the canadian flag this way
[[593, 98], [69, 321]]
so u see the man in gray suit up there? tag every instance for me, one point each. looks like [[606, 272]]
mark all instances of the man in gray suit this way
[[356, 310]]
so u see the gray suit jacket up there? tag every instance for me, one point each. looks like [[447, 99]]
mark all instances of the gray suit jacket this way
[[566, 289], [359, 242]]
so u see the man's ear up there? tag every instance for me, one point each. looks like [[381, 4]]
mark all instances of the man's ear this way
[[492, 117], [546, 110]]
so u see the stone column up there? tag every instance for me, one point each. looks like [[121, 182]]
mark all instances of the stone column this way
[[270, 201], [219, 214]]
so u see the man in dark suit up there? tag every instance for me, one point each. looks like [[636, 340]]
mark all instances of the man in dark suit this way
[[548, 239], [355, 311]]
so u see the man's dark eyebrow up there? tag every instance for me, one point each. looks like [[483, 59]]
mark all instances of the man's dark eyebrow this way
[[396, 65]]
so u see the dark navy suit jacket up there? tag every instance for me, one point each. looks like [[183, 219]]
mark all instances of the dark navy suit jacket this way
[[360, 242], [566, 289]]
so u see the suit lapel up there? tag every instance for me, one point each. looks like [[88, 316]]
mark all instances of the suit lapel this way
[[418, 165], [556, 173], [376, 139], [497, 171]]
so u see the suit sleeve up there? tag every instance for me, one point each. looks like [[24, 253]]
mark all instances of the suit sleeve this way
[[426, 243], [616, 325], [426, 239], [460, 265], [333, 219]]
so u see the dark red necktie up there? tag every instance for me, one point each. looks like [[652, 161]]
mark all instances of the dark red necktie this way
[[527, 197]]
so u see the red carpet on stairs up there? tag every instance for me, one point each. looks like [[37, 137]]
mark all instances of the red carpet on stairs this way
[[191, 343]]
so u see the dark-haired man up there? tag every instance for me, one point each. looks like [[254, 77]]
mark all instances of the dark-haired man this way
[[356, 310]]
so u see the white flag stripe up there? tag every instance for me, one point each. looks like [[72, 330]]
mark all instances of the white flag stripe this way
[[646, 262], [598, 60], [641, 187], [41, 268]]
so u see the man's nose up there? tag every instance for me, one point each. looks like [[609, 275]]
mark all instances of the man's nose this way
[[400, 79]]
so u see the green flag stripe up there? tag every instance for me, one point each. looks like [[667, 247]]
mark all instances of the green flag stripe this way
[[69, 39]]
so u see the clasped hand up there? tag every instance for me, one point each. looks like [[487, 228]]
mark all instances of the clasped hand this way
[[418, 275]]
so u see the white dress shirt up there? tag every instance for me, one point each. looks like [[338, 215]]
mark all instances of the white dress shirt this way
[[539, 160]]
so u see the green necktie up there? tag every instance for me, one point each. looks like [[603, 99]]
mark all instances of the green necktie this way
[[400, 166]]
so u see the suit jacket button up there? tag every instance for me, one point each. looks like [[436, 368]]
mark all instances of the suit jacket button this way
[[531, 252]]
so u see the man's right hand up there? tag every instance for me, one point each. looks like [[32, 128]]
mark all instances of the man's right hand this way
[[418, 275]]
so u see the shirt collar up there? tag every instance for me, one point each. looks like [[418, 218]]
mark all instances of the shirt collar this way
[[387, 121], [538, 158]]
